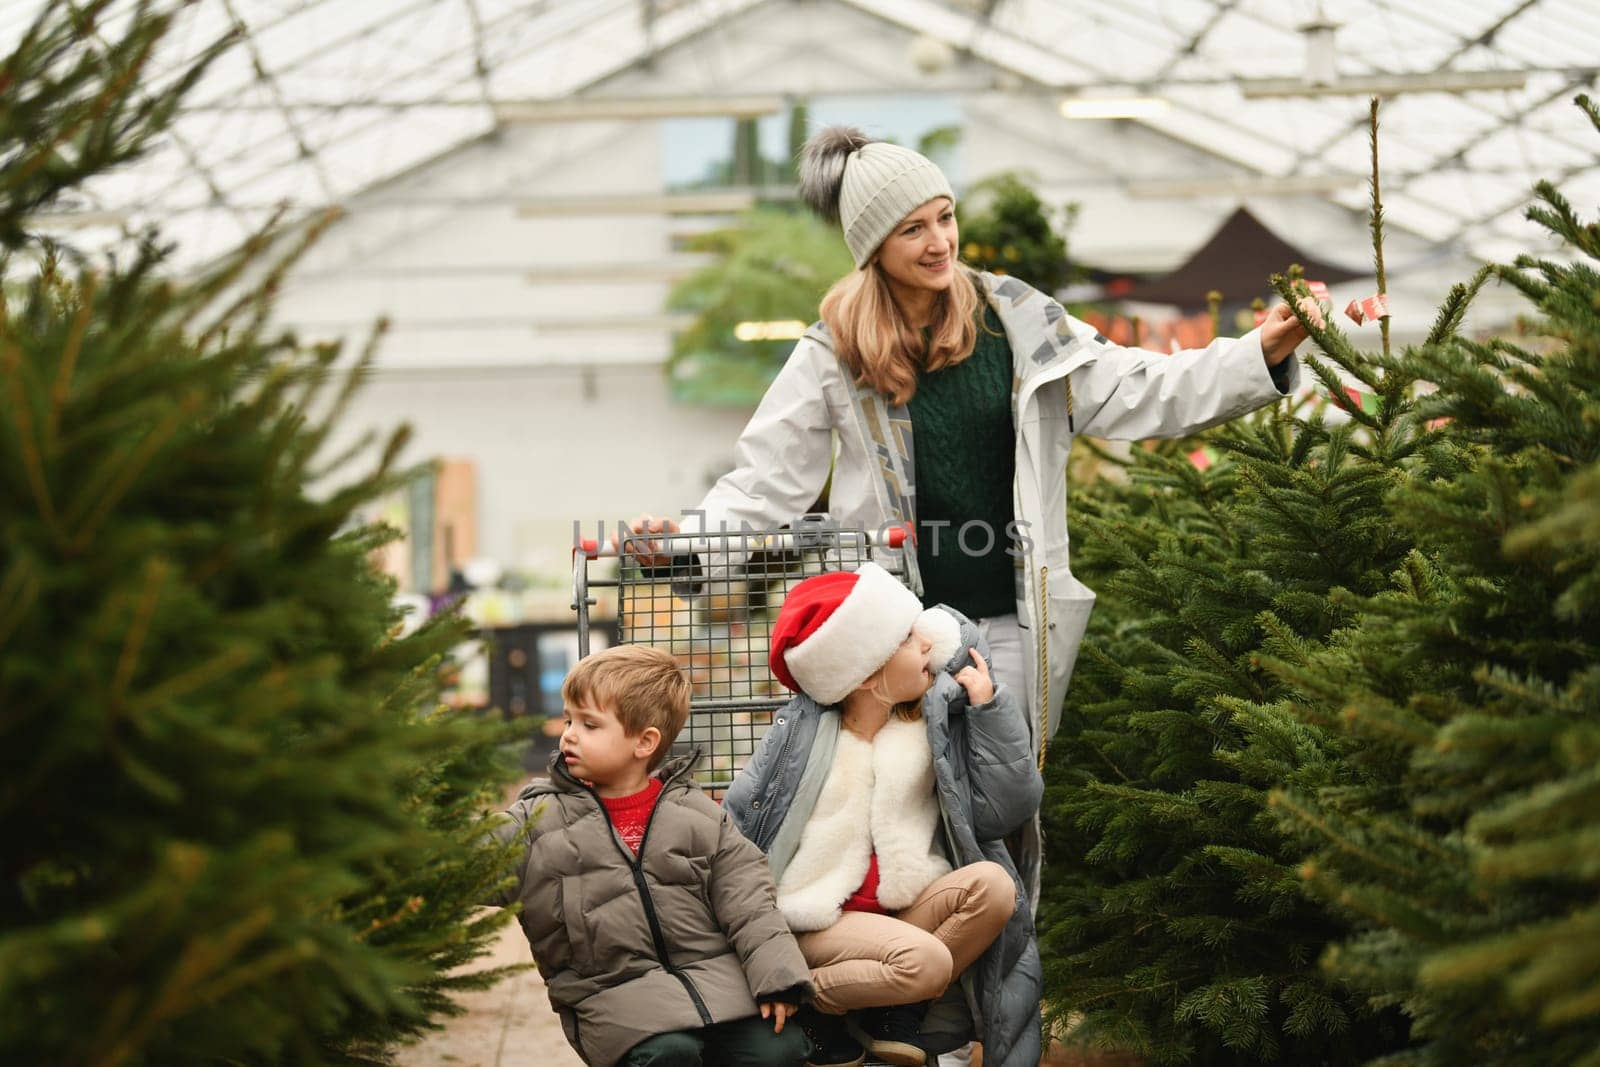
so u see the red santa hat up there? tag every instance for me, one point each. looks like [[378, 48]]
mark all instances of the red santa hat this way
[[835, 630]]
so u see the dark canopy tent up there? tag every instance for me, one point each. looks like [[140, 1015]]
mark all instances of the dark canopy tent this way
[[1236, 261]]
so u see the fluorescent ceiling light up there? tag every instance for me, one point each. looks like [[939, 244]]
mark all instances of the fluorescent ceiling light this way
[[1460, 81], [1114, 107], [779, 330]]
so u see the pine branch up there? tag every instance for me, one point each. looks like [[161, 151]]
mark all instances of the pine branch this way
[[1376, 220], [19, 590], [12, 369], [1328, 336], [157, 574], [1455, 306], [69, 361]]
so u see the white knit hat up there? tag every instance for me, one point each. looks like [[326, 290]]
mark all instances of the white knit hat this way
[[835, 630], [866, 186]]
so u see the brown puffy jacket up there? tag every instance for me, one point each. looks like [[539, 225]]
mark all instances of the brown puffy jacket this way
[[684, 935]]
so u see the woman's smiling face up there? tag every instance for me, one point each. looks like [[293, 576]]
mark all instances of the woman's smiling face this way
[[920, 253]]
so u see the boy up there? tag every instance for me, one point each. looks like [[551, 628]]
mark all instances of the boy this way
[[653, 921]]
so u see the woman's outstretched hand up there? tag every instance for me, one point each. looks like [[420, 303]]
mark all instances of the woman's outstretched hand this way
[[976, 681], [1281, 332], [648, 553]]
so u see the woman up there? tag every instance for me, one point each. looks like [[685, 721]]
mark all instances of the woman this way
[[953, 398], [945, 401]]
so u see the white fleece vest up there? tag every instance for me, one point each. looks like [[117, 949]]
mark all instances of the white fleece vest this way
[[878, 796]]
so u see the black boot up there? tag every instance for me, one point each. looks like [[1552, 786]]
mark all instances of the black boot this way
[[831, 1042], [894, 1034]]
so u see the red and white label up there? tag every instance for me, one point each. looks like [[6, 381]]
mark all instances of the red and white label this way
[[1373, 307]]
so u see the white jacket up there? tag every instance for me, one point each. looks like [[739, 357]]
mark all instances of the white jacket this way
[[1069, 380]]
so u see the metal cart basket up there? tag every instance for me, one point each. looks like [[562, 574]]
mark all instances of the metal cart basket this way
[[713, 608]]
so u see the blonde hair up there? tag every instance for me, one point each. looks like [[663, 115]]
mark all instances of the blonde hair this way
[[880, 348], [908, 710], [643, 686], [905, 710]]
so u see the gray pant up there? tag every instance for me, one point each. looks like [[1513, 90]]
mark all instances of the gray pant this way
[[1005, 651], [1005, 654]]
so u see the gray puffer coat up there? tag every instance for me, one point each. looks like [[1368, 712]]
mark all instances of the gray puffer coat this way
[[685, 934], [988, 786]]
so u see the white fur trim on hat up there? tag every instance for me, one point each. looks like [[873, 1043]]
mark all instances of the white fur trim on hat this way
[[858, 638], [941, 628]]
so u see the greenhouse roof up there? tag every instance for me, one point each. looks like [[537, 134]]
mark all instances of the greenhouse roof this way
[[322, 99]]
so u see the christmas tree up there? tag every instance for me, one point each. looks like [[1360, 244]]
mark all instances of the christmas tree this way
[[1466, 856], [1375, 642], [1175, 922], [237, 827]]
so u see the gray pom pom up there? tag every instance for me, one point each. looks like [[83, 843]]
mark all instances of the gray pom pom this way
[[822, 167]]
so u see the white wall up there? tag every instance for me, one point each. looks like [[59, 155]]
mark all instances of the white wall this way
[[557, 444]]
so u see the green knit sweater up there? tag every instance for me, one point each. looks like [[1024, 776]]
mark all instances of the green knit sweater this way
[[965, 460]]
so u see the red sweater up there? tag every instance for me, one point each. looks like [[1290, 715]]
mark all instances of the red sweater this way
[[866, 898], [631, 814]]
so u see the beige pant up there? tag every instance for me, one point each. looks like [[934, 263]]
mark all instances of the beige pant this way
[[866, 960]]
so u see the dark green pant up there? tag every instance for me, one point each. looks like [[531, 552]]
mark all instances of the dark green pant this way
[[741, 1043]]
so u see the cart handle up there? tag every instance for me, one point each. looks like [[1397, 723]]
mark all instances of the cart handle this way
[[891, 536]]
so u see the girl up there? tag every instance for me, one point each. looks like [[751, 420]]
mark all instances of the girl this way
[[881, 796]]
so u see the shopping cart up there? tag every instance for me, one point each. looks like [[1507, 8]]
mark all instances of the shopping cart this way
[[713, 608]]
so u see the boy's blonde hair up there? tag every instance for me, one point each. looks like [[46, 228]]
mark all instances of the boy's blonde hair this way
[[643, 686]]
